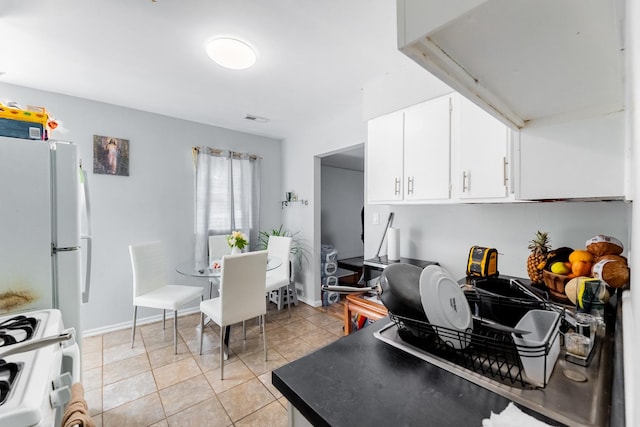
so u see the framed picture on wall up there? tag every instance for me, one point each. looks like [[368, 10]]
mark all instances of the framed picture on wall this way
[[110, 155]]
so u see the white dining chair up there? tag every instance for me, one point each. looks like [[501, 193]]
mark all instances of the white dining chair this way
[[279, 279], [241, 296], [151, 289], [218, 247]]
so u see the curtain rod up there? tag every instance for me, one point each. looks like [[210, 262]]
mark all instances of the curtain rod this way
[[224, 153]]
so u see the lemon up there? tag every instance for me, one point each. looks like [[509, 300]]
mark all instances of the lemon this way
[[560, 268]]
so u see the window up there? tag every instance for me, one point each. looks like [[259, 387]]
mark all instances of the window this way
[[227, 197]]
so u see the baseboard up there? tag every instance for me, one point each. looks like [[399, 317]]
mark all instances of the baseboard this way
[[314, 304], [156, 318], [141, 321]]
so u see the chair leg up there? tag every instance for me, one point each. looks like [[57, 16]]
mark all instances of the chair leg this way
[[289, 297], [175, 332], [201, 330], [163, 319], [221, 352], [244, 330], [133, 330], [264, 338]]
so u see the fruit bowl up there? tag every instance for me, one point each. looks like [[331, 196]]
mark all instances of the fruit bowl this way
[[555, 283]]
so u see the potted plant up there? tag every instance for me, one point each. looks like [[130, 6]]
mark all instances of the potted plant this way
[[299, 251]]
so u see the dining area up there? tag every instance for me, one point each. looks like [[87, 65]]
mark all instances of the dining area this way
[[170, 371], [236, 284], [151, 385]]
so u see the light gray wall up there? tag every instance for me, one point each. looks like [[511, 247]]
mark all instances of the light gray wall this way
[[156, 201], [301, 155], [342, 200], [445, 233]]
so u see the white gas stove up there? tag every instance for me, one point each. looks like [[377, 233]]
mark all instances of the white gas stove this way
[[39, 361]]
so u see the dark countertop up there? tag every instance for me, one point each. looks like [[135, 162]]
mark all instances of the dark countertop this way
[[383, 262], [361, 381]]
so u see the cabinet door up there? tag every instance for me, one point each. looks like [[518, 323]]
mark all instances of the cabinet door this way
[[574, 159], [427, 152], [384, 158], [481, 147]]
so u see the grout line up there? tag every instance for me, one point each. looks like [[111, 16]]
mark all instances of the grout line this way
[[277, 320]]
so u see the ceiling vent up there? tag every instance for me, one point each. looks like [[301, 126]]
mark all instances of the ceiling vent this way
[[256, 119]]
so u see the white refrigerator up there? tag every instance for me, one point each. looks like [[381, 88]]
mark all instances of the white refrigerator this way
[[43, 201]]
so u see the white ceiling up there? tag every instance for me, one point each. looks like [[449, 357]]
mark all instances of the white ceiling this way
[[314, 57]]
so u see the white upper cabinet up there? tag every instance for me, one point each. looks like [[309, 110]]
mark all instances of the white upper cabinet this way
[[445, 150], [408, 154], [581, 159], [521, 61], [427, 150], [384, 155], [481, 145]]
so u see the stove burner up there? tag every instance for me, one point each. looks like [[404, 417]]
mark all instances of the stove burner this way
[[8, 374], [17, 329]]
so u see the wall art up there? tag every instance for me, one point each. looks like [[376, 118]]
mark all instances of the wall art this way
[[110, 155]]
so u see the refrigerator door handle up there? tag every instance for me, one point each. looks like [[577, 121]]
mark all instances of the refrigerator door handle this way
[[87, 210], [69, 249], [87, 277]]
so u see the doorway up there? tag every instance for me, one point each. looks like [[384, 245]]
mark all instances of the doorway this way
[[342, 210]]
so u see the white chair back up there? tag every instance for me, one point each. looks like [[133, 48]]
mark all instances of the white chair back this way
[[280, 247], [218, 247], [242, 286], [149, 267]]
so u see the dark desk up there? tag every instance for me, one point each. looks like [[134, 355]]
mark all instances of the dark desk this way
[[378, 264], [355, 265]]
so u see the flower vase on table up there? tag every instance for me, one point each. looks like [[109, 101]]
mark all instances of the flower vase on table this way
[[237, 241]]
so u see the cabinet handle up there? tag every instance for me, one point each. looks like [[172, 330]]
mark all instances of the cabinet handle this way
[[505, 164], [396, 186], [465, 184], [409, 185]]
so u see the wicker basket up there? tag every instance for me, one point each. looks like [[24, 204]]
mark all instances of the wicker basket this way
[[555, 283]]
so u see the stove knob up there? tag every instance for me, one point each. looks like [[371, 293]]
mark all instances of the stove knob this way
[[62, 380], [60, 397]]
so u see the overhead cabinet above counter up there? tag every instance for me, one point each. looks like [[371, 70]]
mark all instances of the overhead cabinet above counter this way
[[550, 71], [437, 151], [448, 150], [522, 60]]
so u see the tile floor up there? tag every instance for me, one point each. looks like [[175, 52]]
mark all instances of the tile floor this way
[[150, 386]]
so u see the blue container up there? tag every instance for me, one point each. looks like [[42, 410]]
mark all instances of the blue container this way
[[21, 129]]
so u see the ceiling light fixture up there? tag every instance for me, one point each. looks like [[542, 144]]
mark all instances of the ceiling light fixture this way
[[231, 53]]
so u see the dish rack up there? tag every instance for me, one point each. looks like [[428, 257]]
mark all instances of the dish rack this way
[[487, 351]]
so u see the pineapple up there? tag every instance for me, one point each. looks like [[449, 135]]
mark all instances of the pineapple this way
[[539, 248]]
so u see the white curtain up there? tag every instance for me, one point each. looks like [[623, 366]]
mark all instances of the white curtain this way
[[227, 197]]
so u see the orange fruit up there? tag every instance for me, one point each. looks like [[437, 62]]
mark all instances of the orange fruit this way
[[580, 255], [581, 268]]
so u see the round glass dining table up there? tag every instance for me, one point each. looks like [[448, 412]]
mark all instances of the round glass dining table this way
[[188, 268]]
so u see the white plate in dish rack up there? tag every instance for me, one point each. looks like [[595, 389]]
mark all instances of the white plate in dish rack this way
[[445, 305]]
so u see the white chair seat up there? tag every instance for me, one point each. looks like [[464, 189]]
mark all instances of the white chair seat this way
[[275, 282], [241, 296], [218, 247], [211, 308], [169, 297], [150, 288], [280, 247]]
